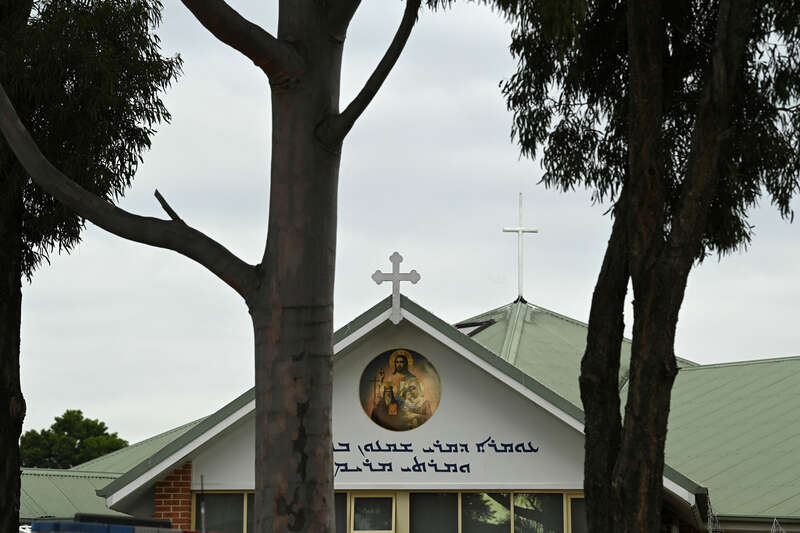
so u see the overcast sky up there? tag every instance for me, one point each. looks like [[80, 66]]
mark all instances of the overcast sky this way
[[146, 340]]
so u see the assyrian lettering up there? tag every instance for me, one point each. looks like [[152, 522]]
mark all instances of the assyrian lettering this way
[[460, 453]]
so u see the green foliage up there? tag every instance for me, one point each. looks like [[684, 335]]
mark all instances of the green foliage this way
[[570, 104], [85, 76], [70, 441]]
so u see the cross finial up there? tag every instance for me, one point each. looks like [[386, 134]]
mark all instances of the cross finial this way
[[395, 277], [520, 230]]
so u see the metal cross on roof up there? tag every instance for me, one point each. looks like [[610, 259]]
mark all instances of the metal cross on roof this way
[[395, 277], [520, 230]]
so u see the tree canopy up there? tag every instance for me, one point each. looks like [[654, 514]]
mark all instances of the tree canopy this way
[[682, 115], [88, 77], [71, 440], [570, 98]]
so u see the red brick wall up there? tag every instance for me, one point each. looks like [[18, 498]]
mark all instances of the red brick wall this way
[[173, 497]]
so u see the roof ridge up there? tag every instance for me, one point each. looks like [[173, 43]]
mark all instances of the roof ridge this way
[[745, 362], [484, 314]]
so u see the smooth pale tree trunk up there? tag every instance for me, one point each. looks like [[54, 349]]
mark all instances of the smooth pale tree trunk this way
[[624, 465], [293, 311], [290, 292]]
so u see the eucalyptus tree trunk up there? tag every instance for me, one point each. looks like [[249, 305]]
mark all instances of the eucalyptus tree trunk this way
[[290, 292], [624, 466], [293, 310], [12, 410]]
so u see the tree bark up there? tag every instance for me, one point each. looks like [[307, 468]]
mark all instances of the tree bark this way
[[13, 18], [599, 379], [12, 410], [292, 310]]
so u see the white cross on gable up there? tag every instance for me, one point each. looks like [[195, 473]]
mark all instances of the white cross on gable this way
[[395, 277], [520, 230]]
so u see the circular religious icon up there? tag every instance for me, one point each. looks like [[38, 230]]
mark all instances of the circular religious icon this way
[[400, 389]]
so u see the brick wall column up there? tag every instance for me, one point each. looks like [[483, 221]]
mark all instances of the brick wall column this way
[[173, 497]]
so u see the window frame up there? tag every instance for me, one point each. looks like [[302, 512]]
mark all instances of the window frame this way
[[351, 505], [196, 527]]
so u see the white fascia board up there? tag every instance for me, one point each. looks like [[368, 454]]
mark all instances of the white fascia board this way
[[679, 491], [180, 454], [362, 331]]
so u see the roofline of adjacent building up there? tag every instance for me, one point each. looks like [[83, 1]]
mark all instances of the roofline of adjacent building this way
[[352, 332], [176, 447], [122, 451], [744, 363], [60, 472], [759, 519]]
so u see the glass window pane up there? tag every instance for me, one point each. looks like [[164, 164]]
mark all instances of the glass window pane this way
[[340, 507], [251, 512], [372, 514], [433, 512], [538, 513], [578, 515], [485, 512], [223, 513]]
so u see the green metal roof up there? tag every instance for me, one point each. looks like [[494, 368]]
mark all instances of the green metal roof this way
[[126, 458], [191, 432], [50, 493], [735, 428], [542, 343]]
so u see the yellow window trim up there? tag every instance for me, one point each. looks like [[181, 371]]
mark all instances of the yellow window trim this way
[[369, 494]]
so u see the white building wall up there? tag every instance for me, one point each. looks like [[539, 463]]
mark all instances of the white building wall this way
[[474, 406]]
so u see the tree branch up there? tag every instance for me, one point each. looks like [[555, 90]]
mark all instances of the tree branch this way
[[278, 60], [164, 205], [170, 234], [333, 129], [339, 15], [711, 135]]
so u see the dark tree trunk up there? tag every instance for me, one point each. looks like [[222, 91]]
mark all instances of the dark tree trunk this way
[[658, 258], [13, 17], [599, 378], [293, 310], [12, 412]]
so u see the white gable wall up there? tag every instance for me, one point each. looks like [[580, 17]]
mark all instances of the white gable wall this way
[[474, 406], [228, 462]]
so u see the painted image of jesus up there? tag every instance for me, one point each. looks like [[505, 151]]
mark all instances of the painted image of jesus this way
[[400, 389]]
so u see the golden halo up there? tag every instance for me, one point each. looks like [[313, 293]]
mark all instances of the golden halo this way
[[404, 353]]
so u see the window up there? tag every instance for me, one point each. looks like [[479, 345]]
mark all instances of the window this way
[[224, 513], [251, 514], [538, 513], [372, 513], [433, 512], [340, 508], [577, 515], [485, 512]]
